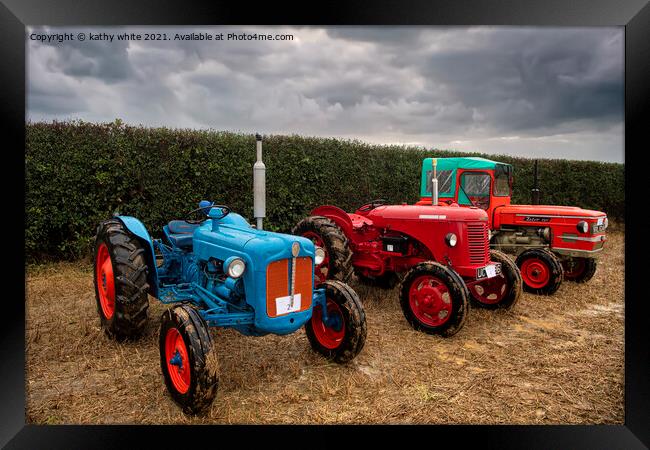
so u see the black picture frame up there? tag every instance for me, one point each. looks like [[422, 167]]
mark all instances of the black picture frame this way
[[634, 15]]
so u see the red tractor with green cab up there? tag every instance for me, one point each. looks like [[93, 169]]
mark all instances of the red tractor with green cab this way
[[439, 254], [551, 243]]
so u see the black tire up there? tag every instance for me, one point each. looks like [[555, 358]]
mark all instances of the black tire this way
[[350, 311], [552, 265], [584, 272], [203, 368], [335, 245], [514, 282], [458, 298], [386, 281], [129, 270]]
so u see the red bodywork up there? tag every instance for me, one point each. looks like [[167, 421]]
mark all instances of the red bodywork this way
[[562, 220], [418, 233]]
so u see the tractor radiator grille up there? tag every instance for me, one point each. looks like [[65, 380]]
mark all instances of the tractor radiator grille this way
[[278, 283], [479, 245]]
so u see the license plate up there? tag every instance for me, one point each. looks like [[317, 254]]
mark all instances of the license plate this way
[[488, 271], [598, 228], [283, 305]]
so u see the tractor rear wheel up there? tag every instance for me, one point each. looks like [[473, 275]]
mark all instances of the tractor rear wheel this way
[[579, 270], [342, 336], [434, 299], [541, 271], [324, 233], [187, 360], [120, 280], [386, 281], [501, 291]]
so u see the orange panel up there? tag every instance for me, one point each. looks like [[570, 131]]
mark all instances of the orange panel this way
[[277, 284], [303, 282], [278, 279]]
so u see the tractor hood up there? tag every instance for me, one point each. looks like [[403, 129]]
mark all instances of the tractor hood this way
[[548, 215], [424, 212], [551, 211], [257, 247], [271, 246]]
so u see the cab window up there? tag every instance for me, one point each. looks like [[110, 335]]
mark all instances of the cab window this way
[[444, 181], [476, 187], [502, 185]]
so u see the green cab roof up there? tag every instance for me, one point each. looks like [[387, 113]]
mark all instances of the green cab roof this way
[[461, 163], [471, 162]]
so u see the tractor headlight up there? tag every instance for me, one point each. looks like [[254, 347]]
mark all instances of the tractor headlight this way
[[451, 239], [236, 268], [605, 223], [319, 256], [583, 226]]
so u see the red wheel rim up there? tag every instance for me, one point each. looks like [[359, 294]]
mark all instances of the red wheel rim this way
[[105, 281], [535, 273], [322, 270], [490, 291], [430, 300], [178, 363], [329, 337], [574, 269]]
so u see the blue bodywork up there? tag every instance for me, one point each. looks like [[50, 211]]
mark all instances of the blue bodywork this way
[[188, 265]]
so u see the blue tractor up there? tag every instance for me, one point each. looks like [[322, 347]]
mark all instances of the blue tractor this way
[[218, 270]]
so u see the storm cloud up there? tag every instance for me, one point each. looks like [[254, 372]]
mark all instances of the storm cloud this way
[[534, 92]]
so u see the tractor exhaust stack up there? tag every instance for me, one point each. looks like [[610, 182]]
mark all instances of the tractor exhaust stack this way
[[434, 183], [535, 190], [259, 186]]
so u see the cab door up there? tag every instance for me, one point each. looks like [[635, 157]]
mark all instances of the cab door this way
[[474, 188]]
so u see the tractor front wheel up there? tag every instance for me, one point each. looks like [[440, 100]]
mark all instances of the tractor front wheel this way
[[501, 291], [187, 360], [579, 270], [120, 276], [541, 271], [434, 299], [324, 233], [342, 335]]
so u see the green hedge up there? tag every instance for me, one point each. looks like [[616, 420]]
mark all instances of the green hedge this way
[[79, 173]]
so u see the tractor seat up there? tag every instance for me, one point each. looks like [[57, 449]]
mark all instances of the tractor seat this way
[[180, 233]]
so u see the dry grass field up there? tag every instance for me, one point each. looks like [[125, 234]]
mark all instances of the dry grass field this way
[[550, 360]]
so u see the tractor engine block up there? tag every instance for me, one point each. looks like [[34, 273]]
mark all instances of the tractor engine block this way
[[516, 240]]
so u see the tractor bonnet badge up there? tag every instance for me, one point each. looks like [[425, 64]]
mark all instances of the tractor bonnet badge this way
[[536, 219], [295, 249]]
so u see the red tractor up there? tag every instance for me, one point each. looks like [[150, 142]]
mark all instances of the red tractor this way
[[441, 254], [552, 243]]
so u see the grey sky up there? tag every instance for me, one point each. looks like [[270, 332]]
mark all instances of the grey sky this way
[[534, 92]]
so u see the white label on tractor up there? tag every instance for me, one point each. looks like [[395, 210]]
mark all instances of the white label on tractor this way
[[491, 271], [600, 221], [433, 216], [283, 304], [389, 247]]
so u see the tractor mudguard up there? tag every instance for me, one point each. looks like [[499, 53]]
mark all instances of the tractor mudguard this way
[[338, 216], [140, 231]]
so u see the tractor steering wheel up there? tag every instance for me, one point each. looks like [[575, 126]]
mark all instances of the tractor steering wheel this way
[[225, 210], [373, 204]]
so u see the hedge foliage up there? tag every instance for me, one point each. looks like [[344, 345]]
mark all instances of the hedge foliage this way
[[78, 173]]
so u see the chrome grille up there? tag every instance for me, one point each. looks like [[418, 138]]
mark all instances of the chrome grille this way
[[479, 245]]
